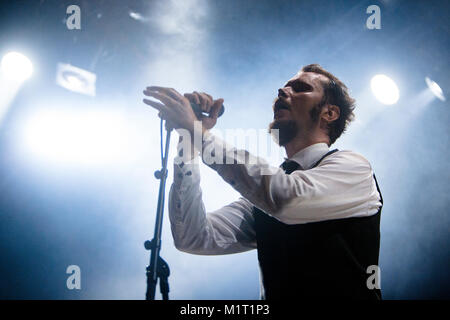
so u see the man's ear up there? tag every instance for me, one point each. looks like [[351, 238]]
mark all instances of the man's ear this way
[[330, 113]]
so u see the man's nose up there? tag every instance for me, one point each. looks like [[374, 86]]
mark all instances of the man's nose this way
[[282, 93]]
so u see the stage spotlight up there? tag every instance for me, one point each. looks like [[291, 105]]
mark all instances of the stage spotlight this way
[[76, 79], [435, 88], [16, 67], [384, 89]]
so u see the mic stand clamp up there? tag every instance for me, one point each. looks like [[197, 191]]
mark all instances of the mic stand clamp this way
[[162, 272]]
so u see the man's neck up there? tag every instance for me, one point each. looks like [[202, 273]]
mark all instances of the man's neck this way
[[298, 144]]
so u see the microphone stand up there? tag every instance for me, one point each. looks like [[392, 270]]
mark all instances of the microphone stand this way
[[158, 268]]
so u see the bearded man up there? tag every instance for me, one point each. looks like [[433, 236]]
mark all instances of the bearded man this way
[[315, 220]]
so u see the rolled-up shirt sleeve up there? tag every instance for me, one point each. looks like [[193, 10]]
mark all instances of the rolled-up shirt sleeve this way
[[227, 230]]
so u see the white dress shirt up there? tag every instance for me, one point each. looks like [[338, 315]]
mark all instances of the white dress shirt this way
[[341, 186]]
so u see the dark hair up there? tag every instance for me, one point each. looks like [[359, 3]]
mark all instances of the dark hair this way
[[335, 93]]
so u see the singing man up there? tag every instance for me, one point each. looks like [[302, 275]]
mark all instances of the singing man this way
[[315, 220]]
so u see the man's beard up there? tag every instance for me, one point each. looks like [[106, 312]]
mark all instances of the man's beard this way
[[283, 131]]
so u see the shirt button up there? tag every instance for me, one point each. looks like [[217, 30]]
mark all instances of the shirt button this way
[[189, 173]]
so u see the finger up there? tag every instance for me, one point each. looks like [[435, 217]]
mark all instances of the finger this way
[[168, 91], [158, 106], [215, 108], [192, 98], [204, 102], [209, 97], [209, 100], [167, 101], [169, 125], [197, 98], [162, 113]]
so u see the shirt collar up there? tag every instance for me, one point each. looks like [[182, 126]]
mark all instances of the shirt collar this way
[[308, 156]]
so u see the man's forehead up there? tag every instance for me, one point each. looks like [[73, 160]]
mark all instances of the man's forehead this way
[[312, 78]]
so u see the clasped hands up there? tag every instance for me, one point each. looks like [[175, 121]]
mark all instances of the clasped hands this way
[[177, 111]]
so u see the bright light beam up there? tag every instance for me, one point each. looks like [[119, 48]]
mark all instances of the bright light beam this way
[[435, 89], [91, 138], [384, 89], [15, 69]]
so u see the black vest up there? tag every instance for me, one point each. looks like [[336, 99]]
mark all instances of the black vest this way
[[326, 259]]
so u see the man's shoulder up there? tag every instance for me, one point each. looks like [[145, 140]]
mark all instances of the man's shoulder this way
[[347, 157]]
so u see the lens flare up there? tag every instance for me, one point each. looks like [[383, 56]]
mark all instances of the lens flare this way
[[384, 89], [16, 66]]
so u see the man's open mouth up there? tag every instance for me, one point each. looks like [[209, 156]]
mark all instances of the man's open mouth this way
[[279, 105]]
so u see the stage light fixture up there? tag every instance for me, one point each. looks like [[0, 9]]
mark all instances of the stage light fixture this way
[[16, 67], [435, 89], [76, 79], [384, 89]]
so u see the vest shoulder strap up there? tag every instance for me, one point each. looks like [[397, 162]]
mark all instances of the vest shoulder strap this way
[[323, 157]]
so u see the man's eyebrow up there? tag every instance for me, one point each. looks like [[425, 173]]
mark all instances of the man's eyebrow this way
[[291, 82]]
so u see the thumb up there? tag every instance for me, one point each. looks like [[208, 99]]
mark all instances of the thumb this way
[[215, 108]]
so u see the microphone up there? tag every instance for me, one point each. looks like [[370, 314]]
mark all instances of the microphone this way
[[200, 114]]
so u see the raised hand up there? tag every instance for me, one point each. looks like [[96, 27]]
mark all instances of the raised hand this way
[[207, 105], [174, 108]]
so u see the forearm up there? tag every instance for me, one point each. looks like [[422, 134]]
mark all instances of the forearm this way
[[251, 176], [186, 209], [227, 230], [340, 187]]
